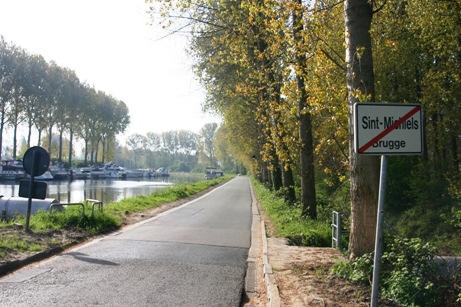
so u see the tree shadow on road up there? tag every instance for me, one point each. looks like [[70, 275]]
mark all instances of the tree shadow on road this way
[[86, 258]]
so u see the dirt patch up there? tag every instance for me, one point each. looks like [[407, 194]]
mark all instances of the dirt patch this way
[[303, 277]]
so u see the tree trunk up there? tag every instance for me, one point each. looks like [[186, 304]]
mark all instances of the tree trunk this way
[[306, 160], [29, 133], [454, 153], [436, 163], [15, 132], [306, 148], [103, 150], [269, 177], [265, 174], [96, 152], [276, 175], [39, 136], [364, 170], [60, 145], [288, 184], [86, 152], [50, 136], [2, 126], [71, 138], [92, 154]]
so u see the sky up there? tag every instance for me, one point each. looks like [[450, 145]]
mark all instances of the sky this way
[[113, 46]]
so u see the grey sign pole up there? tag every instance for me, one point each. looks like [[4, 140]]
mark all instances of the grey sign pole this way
[[31, 188], [379, 233]]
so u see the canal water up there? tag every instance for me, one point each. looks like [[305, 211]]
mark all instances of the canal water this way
[[106, 190]]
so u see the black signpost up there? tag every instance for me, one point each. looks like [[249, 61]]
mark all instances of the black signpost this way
[[36, 162]]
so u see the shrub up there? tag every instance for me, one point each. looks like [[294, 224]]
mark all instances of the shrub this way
[[409, 273], [409, 276], [360, 270]]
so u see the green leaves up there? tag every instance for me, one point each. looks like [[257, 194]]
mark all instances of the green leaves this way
[[46, 95], [409, 274]]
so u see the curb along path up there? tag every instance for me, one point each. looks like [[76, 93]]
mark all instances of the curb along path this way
[[261, 268]]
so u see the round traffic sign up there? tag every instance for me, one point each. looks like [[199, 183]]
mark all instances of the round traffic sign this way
[[36, 161]]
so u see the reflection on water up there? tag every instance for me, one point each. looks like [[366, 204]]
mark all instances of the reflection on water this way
[[106, 190]]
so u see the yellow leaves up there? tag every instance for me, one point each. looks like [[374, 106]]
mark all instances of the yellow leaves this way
[[361, 96], [392, 44]]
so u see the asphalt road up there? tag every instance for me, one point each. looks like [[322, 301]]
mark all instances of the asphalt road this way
[[193, 255]]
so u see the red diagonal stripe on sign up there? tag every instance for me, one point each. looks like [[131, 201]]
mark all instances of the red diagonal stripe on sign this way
[[389, 129]]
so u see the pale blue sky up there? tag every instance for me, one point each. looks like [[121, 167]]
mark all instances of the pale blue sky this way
[[110, 45]]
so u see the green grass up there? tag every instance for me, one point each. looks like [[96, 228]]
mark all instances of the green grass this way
[[288, 221], [13, 242], [71, 219], [176, 192]]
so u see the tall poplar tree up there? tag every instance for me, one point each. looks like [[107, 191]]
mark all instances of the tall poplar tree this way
[[364, 170]]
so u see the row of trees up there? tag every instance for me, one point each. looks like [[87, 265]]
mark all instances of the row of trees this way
[[276, 72], [180, 150], [47, 97]]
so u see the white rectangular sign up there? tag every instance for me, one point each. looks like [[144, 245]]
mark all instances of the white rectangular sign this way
[[388, 129]]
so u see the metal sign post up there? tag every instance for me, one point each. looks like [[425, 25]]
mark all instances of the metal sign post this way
[[386, 129], [36, 162], [31, 188], [379, 233]]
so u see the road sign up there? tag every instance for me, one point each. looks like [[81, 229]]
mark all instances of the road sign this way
[[388, 129], [36, 161], [38, 189]]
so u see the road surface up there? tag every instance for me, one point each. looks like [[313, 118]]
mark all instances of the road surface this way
[[193, 255]]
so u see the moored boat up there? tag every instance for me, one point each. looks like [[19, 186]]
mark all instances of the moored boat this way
[[161, 172], [45, 176], [115, 171], [11, 170], [135, 173], [59, 172]]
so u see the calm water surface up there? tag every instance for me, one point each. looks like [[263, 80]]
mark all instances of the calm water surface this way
[[106, 190]]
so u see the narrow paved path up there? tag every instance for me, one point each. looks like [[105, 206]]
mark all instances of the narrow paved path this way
[[194, 255]]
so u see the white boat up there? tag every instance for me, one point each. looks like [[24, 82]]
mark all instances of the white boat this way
[[135, 173], [112, 170], [11, 170], [79, 174], [108, 170], [45, 176], [59, 172], [161, 172], [97, 173]]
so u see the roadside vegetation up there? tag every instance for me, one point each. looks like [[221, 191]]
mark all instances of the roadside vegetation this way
[[284, 76], [412, 271], [60, 228], [288, 222], [411, 275]]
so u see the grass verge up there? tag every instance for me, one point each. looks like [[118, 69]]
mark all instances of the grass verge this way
[[61, 228], [288, 222]]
